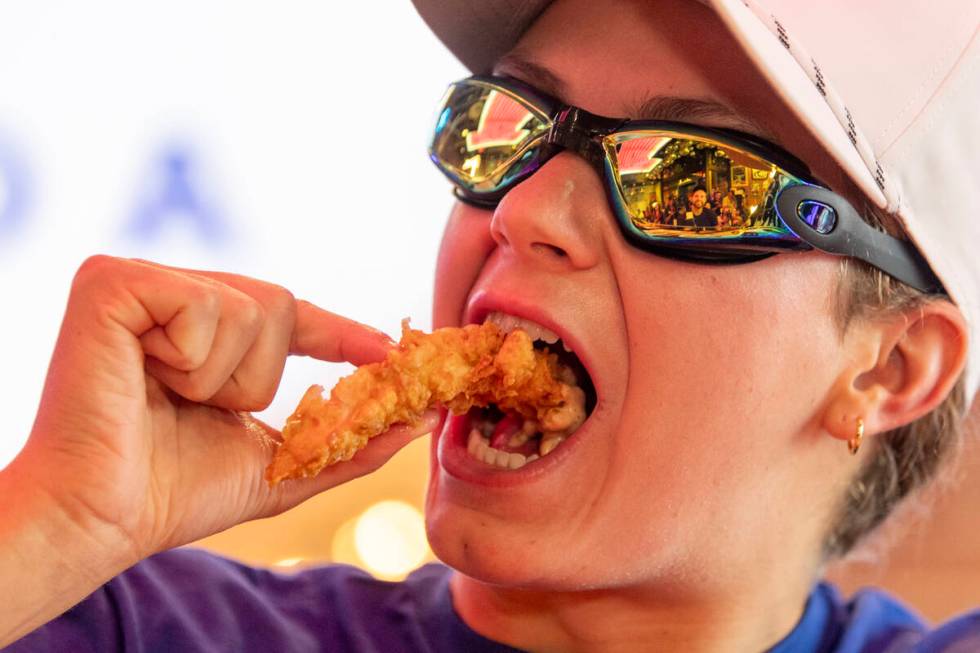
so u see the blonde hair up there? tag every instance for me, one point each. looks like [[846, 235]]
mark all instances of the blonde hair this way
[[908, 457]]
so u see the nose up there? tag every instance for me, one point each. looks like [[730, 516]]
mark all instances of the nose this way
[[557, 217]]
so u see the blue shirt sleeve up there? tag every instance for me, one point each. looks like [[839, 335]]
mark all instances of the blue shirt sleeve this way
[[189, 600], [184, 600]]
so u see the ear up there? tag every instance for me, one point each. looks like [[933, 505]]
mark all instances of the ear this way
[[899, 367]]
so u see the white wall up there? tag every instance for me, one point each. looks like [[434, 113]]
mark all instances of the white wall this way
[[302, 129]]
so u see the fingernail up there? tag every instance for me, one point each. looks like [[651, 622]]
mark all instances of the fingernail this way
[[381, 334]]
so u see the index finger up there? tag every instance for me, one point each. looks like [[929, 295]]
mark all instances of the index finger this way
[[330, 337]]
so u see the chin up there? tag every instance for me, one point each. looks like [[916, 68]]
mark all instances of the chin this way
[[465, 541], [470, 545]]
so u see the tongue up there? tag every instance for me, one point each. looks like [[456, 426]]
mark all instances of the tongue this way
[[508, 426]]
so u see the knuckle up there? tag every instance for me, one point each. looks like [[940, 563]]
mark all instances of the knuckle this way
[[242, 395], [282, 302], [209, 299], [193, 393], [197, 388], [255, 402], [93, 268], [257, 391], [190, 358], [252, 314], [264, 396]]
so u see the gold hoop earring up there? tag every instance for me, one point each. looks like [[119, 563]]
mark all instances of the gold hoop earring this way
[[855, 443]]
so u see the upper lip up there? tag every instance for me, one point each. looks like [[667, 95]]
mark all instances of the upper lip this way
[[484, 301]]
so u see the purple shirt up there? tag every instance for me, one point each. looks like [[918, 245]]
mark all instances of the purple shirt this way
[[187, 600]]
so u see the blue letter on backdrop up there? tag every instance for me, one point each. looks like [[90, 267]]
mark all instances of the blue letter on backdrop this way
[[175, 193], [15, 188]]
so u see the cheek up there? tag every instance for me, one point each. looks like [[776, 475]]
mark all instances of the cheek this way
[[466, 243], [737, 324], [739, 356], [726, 375]]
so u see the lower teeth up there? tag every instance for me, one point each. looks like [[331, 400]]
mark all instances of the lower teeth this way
[[547, 446], [479, 448], [554, 427]]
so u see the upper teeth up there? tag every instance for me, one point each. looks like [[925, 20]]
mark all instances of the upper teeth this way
[[508, 323]]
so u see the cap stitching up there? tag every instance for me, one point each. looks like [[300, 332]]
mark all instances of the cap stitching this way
[[932, 96], [914, 96], [833, 100]]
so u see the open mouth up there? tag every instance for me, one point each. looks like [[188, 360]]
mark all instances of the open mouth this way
[[509, 440]]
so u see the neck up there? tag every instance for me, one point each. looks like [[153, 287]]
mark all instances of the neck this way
[[747, 618]]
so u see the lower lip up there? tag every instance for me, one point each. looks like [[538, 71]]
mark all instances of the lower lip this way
[[457, 462]]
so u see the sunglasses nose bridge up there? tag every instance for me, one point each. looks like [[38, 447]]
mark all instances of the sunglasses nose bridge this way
[[569, 131]]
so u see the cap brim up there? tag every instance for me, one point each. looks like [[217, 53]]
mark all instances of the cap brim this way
[[479, 33]]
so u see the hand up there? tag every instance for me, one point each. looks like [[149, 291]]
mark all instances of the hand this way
[[138, 442]]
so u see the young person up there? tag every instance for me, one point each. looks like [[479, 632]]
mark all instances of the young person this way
[[678, 517]]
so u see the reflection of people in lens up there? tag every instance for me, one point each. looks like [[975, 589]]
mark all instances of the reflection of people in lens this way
[[653, 214], [671, 211], [728, 201], [700, 215], [728, 215]]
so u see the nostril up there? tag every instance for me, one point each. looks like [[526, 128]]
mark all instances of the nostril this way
[[545, 248]]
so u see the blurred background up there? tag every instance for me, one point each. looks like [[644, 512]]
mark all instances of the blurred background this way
[[287, 143]]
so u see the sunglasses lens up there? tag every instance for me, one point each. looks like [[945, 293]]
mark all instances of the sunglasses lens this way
[[675, 189], [486, 139]]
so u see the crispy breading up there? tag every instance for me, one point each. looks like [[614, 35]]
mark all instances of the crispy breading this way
[[459, 368]]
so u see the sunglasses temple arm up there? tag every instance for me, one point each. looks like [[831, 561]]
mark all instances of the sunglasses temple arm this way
[[900, 259], [852, 236]]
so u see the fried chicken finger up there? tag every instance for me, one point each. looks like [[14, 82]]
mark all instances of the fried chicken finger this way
[[459, 368]]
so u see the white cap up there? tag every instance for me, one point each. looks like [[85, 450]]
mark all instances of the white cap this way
[[910, 139]]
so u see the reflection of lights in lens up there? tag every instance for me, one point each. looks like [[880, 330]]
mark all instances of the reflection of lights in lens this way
[[390, 539], [502, 123], [471, 165], [443, 119], [288, 562], [639, 154]]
